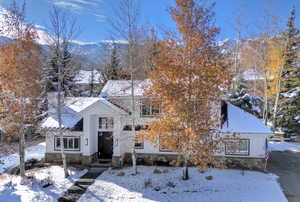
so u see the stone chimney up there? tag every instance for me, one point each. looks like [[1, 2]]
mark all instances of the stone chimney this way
[[52, 101]]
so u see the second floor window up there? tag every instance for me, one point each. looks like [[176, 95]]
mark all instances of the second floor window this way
[[149, 108], [106, 123]]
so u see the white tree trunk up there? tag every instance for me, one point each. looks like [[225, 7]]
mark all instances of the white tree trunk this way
[[278, 88], [22, 142], [62, 149], [133, 155]]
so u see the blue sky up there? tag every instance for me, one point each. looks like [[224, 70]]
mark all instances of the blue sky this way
[[92, 15]]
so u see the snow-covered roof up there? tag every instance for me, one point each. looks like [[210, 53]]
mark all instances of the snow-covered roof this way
[[71, 111], [68, 119], [252, 74], [123, 88], [241, 121], [78, 104], [85, 77]]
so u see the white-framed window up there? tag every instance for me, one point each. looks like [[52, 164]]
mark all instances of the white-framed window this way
[[139, 141], [106, 123], [234, 146], [71, 143], [149, 108]]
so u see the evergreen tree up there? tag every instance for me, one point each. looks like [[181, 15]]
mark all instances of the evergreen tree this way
[[241, 98], [111, 69], [289, 107], [68, 70]]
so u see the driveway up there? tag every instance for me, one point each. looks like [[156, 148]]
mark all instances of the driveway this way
[[287, 166]]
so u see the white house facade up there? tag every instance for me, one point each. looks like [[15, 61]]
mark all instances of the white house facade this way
[[100, 128]]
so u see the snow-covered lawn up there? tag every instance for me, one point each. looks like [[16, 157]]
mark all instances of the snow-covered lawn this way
[[226, 185], [33, 191], [284, 146], [34, 152]]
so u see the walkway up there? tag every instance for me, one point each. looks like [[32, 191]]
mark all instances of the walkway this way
[[81, 185]]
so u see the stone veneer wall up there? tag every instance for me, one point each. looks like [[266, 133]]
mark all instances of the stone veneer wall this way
[[71, 158]]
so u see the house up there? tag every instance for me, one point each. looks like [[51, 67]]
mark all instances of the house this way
[[100, 128]]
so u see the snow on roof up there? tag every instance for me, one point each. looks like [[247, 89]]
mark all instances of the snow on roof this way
[[123, 87], [85, 77], [69, 119], [79, 104], [252, 74], [70, 112], [243, 122]]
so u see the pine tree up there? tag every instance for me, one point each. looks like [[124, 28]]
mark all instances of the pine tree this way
[[111, 70], [289, 101], [68, 69]]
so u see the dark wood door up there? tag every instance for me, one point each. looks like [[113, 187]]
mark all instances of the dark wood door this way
[[105, 145]]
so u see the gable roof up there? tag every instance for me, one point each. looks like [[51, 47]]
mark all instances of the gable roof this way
[[243, 122], [71, 111], [123, 88]]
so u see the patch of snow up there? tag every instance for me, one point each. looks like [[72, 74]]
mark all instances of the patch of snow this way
[[283, 146], [13, 160], [292, 93], [226, 185], [84, 77], [12, 189], [123, 87], [243, 122]]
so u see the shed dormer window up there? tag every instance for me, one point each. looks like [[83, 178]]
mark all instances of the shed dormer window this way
[[149, 108]]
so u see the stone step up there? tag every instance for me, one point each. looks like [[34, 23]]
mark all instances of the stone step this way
[[104, 160], [100, 165]]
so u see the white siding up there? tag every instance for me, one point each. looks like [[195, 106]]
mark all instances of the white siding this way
[[50, 141]]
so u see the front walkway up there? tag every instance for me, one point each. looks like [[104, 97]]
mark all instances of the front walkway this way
[[287, 166], [81, 185]]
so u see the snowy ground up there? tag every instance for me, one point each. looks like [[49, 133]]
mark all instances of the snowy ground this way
[[283, 146], [12, 190], [34, 152], [226, 185]]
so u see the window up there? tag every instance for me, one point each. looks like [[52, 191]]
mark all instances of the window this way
[[149, 108], [237, 147], [139, 141], [137, 127], [106, 123], [70, 143]]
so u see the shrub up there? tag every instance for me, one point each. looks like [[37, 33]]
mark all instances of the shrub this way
[[148, 183], [171, 184], [157, 171], [209, 177], [121, 174]]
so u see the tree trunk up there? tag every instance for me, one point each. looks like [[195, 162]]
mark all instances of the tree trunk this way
[[185, 175], [22, 142], [63, 156], [278, 87], [133, 155]]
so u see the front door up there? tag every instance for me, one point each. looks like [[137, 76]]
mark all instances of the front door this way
[[105, 145]]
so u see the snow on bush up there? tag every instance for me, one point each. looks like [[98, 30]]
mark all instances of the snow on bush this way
[[35, 152], [43, 184]]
